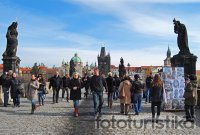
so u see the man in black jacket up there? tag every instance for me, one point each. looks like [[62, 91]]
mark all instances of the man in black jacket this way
[[56, 84], [6, 83], [97, 85], [66, 80]]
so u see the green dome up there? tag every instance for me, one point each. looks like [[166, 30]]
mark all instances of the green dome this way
[[76, 59]]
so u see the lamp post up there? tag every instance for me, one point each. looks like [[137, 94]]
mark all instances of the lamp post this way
[[128, 67], [87, 67]]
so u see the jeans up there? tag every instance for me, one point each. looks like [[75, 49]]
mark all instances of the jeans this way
[[189, 111], [137, 102], [116, 94], [55, 95], [40, 97], [63, 92], [76, 103], [6, 96], [33, 102], [153, 104], [148, 97], [98, 100], [16, 99]]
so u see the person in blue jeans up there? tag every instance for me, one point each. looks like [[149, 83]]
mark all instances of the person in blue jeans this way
[[32, 90], [149, 80], [15, 90], [41, 90], [137, 90], [6, 84], [97, 85], [75, 86]]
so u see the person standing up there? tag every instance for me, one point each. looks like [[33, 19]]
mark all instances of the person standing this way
[[97, 85], [116, 90], [137, 90], [111, 84], [75, 92], [148, 88], [125, 95], [6, 83], [66, 80], [156, 96], [56, 84], [41, 90], [32, 89], [86, 83], [15, 90], [191, 97]]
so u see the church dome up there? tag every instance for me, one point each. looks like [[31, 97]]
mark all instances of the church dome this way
[[76, 59]]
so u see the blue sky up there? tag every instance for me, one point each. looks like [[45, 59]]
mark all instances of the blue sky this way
[[137, 30]]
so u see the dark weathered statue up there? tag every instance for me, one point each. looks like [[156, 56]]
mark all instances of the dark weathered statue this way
[[122, 70], [182, 38], [12, 42], [72, 68]]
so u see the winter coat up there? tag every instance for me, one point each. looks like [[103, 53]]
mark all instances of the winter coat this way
[[149, 79], [137, 86], [56, 82], [86, 82], [98, 83], [117, 82], [32, 89], [156, 93], [42, 85], [15, 84], [65, 81], [6, 81], [191, 87], [75, 94], [126, 85], [110, 83]]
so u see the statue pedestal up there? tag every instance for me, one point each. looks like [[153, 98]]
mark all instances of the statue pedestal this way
[[188, 61], [10, 63]]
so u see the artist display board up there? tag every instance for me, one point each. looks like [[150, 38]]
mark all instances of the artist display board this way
[[174, 87]]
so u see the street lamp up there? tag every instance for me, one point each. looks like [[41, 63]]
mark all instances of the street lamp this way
[[87, 67], [128, 67]]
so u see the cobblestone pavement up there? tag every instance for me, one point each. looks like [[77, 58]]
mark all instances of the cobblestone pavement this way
[[58, 119]]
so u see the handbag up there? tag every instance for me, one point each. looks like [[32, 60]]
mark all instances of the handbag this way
[[122, 92]]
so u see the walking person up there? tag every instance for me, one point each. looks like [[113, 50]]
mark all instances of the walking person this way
[[125, 95], [75, 86], [148, 88], [6, 83], [65, 80], [41, 90], [15, 90], [116, 89], [156, 96], [97, 85], [111, 86], [32, 89], [56, 84], [191, 97], [137, 90], [86, 83]]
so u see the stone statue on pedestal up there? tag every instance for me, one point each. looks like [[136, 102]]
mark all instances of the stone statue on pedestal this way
[[122, 70], [10, 60], [184, 58]]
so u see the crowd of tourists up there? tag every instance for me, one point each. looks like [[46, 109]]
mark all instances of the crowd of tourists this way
[[130, 92]]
